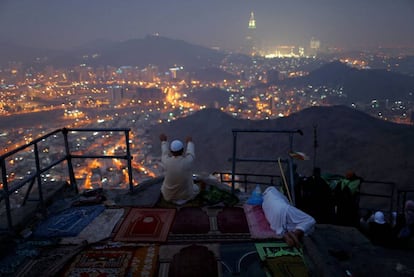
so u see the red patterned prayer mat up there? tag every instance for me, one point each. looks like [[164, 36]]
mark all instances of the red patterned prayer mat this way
[[191, 220], [197, 224], [257, 222], [125, 261], [146, 224], [194, 260], [232, 220]]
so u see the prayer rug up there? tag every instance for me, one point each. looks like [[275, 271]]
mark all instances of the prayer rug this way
[[68, 223], [196, 224], [16, 253], [210, 237], [124, 261], [99, 229], [240, 259], [191, 220], [258, 225], [146, 224], [50, 261], [188, 260], [282, 260], [290, 266], [232, 220]]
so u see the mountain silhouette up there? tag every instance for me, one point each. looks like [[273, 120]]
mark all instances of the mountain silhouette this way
[[151, 50], [347, 140], [359, 84]]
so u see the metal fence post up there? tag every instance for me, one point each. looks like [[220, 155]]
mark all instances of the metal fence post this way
[[129, 158], [69, 160], [6, 194], [233, 167], [38, 173]]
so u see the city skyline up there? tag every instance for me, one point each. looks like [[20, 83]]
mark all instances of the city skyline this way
[[350, 25]]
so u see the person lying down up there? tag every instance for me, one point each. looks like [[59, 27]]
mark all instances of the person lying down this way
[[285, 219]]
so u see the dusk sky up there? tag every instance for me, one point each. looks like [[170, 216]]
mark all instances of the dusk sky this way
[[356, 24]]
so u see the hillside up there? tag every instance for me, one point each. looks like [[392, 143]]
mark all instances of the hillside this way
[[347, 140], [154, 50], [359, 85]]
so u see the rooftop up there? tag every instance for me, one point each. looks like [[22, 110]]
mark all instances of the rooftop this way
[[136, 232]]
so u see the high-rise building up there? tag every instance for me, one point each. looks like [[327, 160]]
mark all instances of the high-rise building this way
[[117, 94], [252, 21], [315, 44], [251, 39]]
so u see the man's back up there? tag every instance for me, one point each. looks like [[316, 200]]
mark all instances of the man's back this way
[[178, 181]]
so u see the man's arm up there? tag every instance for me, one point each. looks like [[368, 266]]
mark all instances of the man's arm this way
[[293, 238], [190, 147], [163, 137], [164, 145]]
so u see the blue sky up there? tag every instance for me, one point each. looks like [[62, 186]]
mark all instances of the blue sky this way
[[336, 23]]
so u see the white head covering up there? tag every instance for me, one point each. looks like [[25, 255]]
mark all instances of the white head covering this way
[[379, 217], [176, 145]]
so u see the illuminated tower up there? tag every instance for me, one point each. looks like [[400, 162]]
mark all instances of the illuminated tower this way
[[252, 22], [251, 48]]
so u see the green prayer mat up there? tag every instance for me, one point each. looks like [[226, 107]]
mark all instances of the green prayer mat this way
[[281, 259]]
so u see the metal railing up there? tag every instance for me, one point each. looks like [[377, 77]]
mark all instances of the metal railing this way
[[36, 176], [236, 159], [402, 196], [247, 179], [378, 190]]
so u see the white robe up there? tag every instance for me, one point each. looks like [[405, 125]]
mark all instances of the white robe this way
[[178, 181], [282, 216]]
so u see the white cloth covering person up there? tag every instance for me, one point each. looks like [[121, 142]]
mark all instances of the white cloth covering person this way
[[178, 186], [286, 220]]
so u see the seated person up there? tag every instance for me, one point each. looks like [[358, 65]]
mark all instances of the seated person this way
[[407, 230], [286, 220], [178, 185], [379, 231]]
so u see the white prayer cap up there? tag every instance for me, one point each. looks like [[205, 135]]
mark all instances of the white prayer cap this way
[[176, 145], [379, 217]]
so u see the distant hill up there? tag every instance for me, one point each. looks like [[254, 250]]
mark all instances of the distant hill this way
[[159, 51], [155, 50], [10, 52], [347, 140], [359, 85]]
